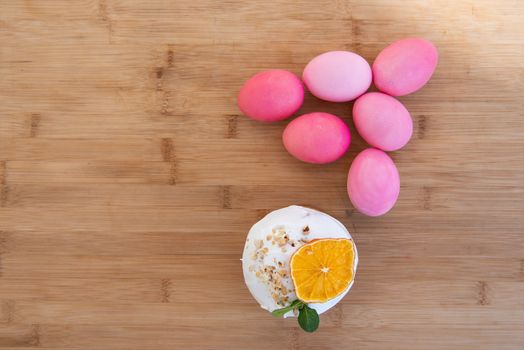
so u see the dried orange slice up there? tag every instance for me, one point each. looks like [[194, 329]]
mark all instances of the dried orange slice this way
[[322, 269]]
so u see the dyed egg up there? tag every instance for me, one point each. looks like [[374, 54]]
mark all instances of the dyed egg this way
[[271, 96], [317, 138], [373, 182], [337, 76], [405, 66], [382, 121]]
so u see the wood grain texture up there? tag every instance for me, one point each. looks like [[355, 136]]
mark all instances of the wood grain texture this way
[[128, 177]]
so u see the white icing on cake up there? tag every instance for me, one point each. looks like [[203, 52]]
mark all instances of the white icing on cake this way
[[269, 246]]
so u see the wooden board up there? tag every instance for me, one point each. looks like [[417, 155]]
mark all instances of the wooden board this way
[[129, 179]]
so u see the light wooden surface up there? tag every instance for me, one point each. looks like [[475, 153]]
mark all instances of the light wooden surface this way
[[129, 180]]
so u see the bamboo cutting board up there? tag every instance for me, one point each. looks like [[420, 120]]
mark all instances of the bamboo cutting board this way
[[129, 179]]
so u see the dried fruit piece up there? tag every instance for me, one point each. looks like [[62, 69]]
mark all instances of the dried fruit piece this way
[[323, 269]]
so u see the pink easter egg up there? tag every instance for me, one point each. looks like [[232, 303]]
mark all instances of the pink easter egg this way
[[271, 95], [382, 121], [405, 66], [337, 76], [317, 138], [373, 182]]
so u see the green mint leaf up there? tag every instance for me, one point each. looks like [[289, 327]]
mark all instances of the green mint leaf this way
[[297, 304], [281, 312], [308, 319]]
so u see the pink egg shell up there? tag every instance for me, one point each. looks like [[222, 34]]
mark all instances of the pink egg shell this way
[[382, 121], [405, 66], [317, 138], [337, 76], [271, 95], [373, 182]]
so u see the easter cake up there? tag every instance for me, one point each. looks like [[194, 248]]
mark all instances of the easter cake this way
[[288, 250]]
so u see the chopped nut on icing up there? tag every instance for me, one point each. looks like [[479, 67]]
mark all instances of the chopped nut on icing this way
[[274, 278]]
